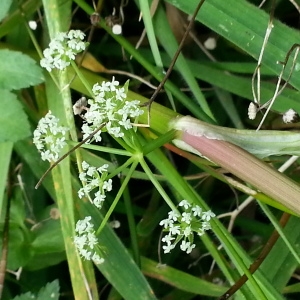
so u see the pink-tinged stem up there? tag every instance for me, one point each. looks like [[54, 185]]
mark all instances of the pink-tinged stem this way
[[248, 168]]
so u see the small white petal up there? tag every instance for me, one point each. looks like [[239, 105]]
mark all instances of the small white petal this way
[[289, 116], [210, 43], [117, 29], [32, 25], [252, 111]]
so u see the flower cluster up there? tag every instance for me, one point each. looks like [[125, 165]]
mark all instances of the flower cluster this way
[[110, 106], [181, 227], [85, 240], [252, 111], [290, 116], [62, 49], [49, 137], [93, 178]]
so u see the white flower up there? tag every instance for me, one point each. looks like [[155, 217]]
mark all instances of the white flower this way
[[81, 193], [168, 248], [85, 165], [91, 240], [126, 124], [186, 217], [49, 137], [290, 116], [174, 229], [80, 241], [197, 211], [63, 49], [166, 223], [109, 107], [76, 34], [86, 254], [47, 64], [103, 168], [113, 84], [207, 215], [97, 259], [90, 171], [183, 227], [70, 54], [86, 241], [206, 226], [168, 239], [187, 231], [120, 94], [107, 185], [185, 204], [187, 246], [95, 178], [99, 199], [115, 131], [83, 225], [173, 215]]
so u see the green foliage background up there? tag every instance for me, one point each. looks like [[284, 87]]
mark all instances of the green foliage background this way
[[217, 92]]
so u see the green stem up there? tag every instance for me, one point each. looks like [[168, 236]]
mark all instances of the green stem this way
[[117, 198], [121, 168], [132, 226], [157, 185], [279, 229], [38, 49], [151, 145], [102, 149], [82, 78]]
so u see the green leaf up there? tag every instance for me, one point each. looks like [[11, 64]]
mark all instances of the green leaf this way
[[247, 30], [44, 260], [26, 296], [48, 237], [49, 292], [13, 120], [18, 70], [19, 250], [168, 41], [4, 8], [181, 280], [5, 154], [17, 17], [280, 273], [118, 263]]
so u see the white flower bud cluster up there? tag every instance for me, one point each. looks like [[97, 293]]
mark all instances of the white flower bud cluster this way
[[49, 137], [95, 178], [181, 227], [85, 240], [63, 49], [110, 106]]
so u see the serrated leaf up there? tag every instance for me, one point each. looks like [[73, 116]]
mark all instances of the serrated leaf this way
[[50, 291], [4, 8], [26, 296], [13, 120], [18, 70]]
